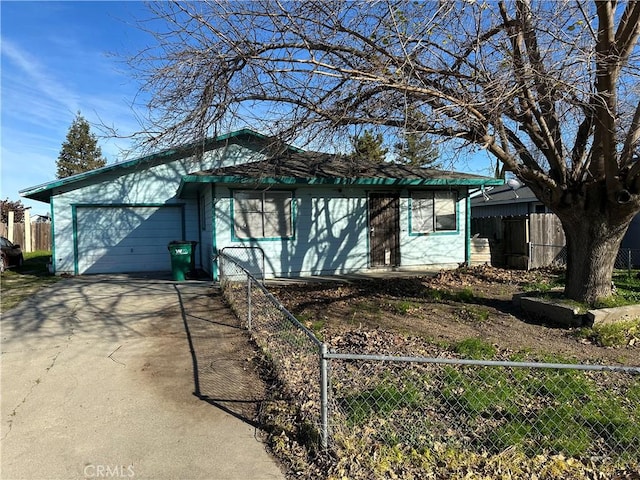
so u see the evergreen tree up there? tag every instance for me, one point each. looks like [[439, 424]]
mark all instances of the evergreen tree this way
[[417, 150], [368, 148], [80, 151]]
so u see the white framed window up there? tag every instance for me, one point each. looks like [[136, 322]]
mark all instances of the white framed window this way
[[434, 211], [266, 214]]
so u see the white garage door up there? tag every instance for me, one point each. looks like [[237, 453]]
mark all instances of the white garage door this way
[[126, 239]]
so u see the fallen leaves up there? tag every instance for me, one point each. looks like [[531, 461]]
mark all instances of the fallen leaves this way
[[410, 316]]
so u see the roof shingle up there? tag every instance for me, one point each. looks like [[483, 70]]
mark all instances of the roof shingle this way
[[323, 165]]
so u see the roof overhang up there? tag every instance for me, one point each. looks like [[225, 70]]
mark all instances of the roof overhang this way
[[45, 191], [190, 183]]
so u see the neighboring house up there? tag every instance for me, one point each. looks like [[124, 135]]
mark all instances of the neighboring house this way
[[306, 213], [515, 200], [631, 239], [511, 199]]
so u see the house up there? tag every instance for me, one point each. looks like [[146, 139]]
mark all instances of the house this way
[[294, 213]]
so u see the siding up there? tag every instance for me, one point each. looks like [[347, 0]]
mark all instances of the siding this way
[[632, 237], [331, 235], [513, 209], [144, 185], [436, 248]]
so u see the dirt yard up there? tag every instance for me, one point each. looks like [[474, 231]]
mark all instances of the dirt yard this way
[[444, 309]]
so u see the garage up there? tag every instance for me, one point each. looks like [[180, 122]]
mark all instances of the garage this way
[[125, 238], [120, 218]]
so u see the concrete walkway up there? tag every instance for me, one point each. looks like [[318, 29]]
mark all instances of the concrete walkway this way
[[118, 377]]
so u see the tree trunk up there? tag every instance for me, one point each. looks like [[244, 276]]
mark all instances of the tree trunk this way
[[592, 247]]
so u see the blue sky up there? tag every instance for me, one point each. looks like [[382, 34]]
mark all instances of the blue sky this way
[[59, 58]]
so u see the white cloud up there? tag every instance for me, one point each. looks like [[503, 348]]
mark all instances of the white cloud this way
[[38, 79]]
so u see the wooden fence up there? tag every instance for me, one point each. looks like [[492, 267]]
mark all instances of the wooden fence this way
[[511, 239], [40, 235], [546, 240]]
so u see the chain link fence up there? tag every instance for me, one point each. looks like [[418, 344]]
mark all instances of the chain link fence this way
[[418, 415], [293, 349], [556, 256], [628, 258], [443, 415]]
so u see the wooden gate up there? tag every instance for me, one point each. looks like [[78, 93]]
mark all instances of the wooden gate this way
[[532, 241]]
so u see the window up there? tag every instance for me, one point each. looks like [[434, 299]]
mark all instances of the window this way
[[433, 212], [262, 214]]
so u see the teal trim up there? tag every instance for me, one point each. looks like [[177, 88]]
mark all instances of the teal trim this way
[[415, 182], [214, 240], [200, 199], [468, 230], [53, 238], [260, 239], [74, 226], [44, 191], [368, 242], [435, 232], [234, 238]]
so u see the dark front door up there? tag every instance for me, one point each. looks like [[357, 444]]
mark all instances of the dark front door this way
[[384, 229]]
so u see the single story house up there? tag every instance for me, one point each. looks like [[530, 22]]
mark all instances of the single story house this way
[[297, 213]]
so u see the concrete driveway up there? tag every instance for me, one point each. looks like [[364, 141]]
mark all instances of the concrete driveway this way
[[122, 377]]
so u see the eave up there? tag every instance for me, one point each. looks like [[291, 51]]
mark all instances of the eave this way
[[43, 192], [189, 181]]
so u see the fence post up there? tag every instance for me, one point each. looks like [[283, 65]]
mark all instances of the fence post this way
[[324, 404], [629, 262], [10, 226], [26, 246], [249, 302]]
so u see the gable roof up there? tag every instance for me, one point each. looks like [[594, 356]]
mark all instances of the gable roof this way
[[44, 191], [313, 168]]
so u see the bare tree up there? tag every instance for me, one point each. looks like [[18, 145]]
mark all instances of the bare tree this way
[[550, 89]]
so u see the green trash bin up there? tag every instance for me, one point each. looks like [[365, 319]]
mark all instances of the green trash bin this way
[[181, 259]]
